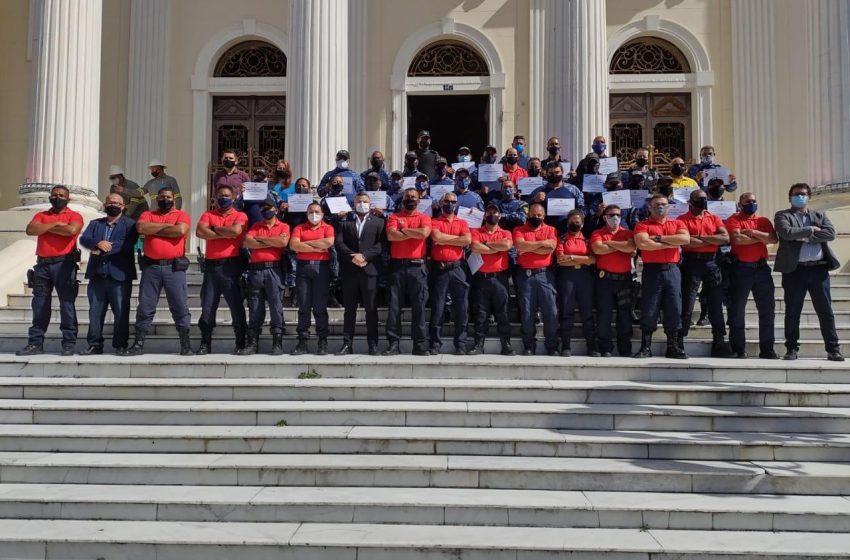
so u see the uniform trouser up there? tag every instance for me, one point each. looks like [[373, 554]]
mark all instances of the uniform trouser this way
[[706, 272], [63, 277], [313, 282], [575, 289], [222, 279], [104, 292], [408, 282], [293, 267], [266, 287], [661, 288], [755, 278], [155, 279], [490, 295], [452, 282], [614, 294], [813, 280], [537, 292], [359, 287]]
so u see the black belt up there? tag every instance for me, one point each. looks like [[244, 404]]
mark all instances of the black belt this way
[[445, 265], [408, 262], [222, 262], [160, 262], [613, 276], [700, 256], [53, 260], [533, 271], [264, 265], [757, 264], [313, 261], [490, 274], [809, 264], [660, 266]]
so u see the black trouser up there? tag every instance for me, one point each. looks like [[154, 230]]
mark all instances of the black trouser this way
[[613, 294], [575, 289], [313, 281], [813, 280], [755, 278], [221, 278], [105, 292], [61, 276], [490, 295], [661, 287], [408, 282], [266, 286], [449, 282], [698, 270], [359, 287]]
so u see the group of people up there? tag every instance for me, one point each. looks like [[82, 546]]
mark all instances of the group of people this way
[[383, 237]]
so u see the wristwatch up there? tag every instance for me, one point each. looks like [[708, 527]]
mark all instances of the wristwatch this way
[[657, 239]]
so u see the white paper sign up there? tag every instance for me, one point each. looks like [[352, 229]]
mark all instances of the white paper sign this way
[[337, 204], [426, 206], [468, 165], [621, 198], [475, 262], [348, 185], [567, 167], [472, 216], [299, 202], [378, 199], [593, 183], [716, 173], [409, 183], [722, 208], [437, 191], [560, 206], [608, 165], [490, 172], [683, 194], [676, 210], [528, 185], [638, 198], [255, 191]]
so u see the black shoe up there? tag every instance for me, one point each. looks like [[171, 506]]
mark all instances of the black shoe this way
[[790, 355], [507, 349], [527, 352], [721, 349], [277, 345], [392, 350], [203, 349], [476, 349], [769, 355], [553, 353], [92, 351], [122, 351], [645, 350], [460, 351], [592, 348], [67, 351], [606, 355], [138, 347], [30, 350], [741, 355], [432, 351], [422, 352], [835, 356], [703, 319], [322, 349], [300, 348], [345, 350], [565, 353], [373, 349], [185, 345]]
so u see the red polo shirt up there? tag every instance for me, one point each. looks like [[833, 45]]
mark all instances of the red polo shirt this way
[[653, 228], [306, 232], [223, 248], [162, 248], [525, 233], [260, 229], [52, 244], [497, 262], [515, 175], [572, 245], [616, 262], [409, 248], [455, 226], [704, 224], [757, 251]]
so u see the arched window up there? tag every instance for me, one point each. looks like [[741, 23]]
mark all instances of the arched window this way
[[649, 55], [448, 58], [251, 59]]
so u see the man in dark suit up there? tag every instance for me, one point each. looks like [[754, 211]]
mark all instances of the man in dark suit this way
[[359, 242], [805, 259], [111, 271]]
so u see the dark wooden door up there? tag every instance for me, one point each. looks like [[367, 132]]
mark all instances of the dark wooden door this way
[[661, 121]]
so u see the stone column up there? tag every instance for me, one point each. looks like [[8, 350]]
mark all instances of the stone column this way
[[536, 76], [576, 84], [358, 12], [146, 94], [65, 134], [317, 104]]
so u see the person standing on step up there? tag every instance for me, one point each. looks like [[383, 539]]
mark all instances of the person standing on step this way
[[57, 230], [111, 241], [804, 258], [312, 242], [133, 195], [750, 234], [161, 180], [659, 238], [164, 267], [222, 229], [266, 241], [575, 263]]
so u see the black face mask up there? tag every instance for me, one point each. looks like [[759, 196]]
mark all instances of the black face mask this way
[[336, 188], [533, 172], [229, 164], [410, 203], [677, 170], [535, 222], [700, 203], [640, 162], [716, 192], [377, 163], [164, 204], [512, 159], [410, 163], [492, 219], [574, 227], [58, 203], [268, 213], [449, 207], [552, 150], [554, 179], [113, 210], [280, 174], [372, 186]]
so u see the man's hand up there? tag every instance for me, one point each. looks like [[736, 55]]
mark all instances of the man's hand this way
[[104, 246], [540, 197], [341, 215], [357, 258], [701, 174], [600, 209]]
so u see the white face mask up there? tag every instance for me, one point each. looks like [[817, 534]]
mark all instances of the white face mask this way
[[314, 218], [363, 207], [342, 163]]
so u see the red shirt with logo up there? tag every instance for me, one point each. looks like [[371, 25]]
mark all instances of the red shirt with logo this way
[[306, 232], [572, 245], [704, 224], [653, 228], [223, 248], [409, 248], [52, 244], [616, 262], [534, 260], [455, 226], [497, 262], [757, 251], [158, 247], [260, 229]]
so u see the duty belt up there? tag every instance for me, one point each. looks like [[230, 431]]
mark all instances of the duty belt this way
[[222, 262], [700, 256], [52, 260], [264, 265], [448, 265], [660, 266], [490, 274], [408, 262], [529, 272], [757, 264], [318, 261], [613, 275], [160, 262]]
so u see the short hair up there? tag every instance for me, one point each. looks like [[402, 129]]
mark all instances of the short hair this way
[[63, 187], [305, 179], [409, 189], [518, 137], [800, 186], [748, 193], [316, 204], [657, 196], [611, 207], [535, 158], [695, 194], [121, 198], [363, 193], [164, 188], [222, 187], [229, 151], [553, 165], [576, 212], [704, 148], [715, 180], [537, 204]]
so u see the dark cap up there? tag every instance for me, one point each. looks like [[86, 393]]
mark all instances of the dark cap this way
[[492, 205], [490, 148], [461, 170], [411, 155], [440, 160], [271, 200], [422, 175], [396, 173], [422, 133], [462, 148], [343, 154]]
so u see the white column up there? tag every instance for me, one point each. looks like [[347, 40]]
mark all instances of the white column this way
[[536, 77], [358, 13], [146, 92], [576, 98], [317, 104], [754, 100], [829, 89], [65, 134]]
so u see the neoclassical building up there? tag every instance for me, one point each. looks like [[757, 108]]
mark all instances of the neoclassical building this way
[[91, 83]]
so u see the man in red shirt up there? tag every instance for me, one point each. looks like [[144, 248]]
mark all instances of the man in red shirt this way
[[222, 229], [659, 240], [449, 237], [750, 234], [164, 266], [266, 239], [57, 230], [513, 170], [699, 267], [407, 232], [614, 247], [535, 281]]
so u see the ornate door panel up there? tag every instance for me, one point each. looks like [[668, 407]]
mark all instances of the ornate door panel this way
[[661, 121]]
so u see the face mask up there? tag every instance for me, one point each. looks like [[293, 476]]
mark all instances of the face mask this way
[[372, 186], [574, 227], [799, 200], [280, 173], [464, 183], [554, 179], [600, 148], [535, 222], [519, 148], [336, 187], [423, 144], [489, 158], [229, 164], [164, 204], [116, 181], [508, 194], [58, 203], [533, 172], [302, 189], [224, 202], [113, 210], [750, 208], [512, 159], [700, 203], [677, 170], [363, 207], [155, 173], [314, 218], [449, 207], [635, 182], [398, 183], [422, 187], [660, 211], [342, 163], [377, 163], [410, 203], [707, 160], [640, 162], [717, 192], [410, 163], [612, 221], [268, 213], [492, 219], [464, 158], [552, 150]]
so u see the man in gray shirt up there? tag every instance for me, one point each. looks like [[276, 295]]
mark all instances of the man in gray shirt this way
[[160, 180]]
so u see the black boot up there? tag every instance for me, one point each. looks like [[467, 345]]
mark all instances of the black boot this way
[[322, 349], [565, 347], [206, 343], [392, 350], [645, 350], [300, 348], [138, 346], [477, 348], [720, 348], [592, 348], [251, 344], [674, 350], [240, 341], [185, 344], [277, 344], [507, 349]]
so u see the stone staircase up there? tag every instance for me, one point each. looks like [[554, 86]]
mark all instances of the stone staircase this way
[[358, 457]]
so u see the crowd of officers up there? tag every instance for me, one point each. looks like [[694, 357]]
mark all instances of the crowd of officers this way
[[415, 255]]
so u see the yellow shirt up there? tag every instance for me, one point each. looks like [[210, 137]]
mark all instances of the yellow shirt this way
[[683, 182]]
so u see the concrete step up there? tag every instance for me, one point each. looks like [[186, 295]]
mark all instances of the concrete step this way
[[448, 390], [440, 471], [149, 540], [626, 444], [436, 506]]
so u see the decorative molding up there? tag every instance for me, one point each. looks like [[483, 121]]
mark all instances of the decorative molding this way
[[656, 26]]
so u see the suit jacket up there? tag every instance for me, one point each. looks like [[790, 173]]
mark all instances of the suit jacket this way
[[117, 263], [370, 244], [792, 234]]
